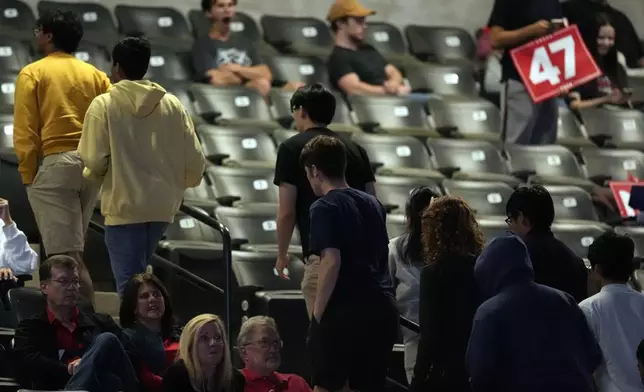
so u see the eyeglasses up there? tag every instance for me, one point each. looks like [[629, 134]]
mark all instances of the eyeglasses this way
[[265, 344], [67, 283]]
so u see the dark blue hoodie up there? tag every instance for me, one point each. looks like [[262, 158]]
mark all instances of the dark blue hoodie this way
[[526, 337]]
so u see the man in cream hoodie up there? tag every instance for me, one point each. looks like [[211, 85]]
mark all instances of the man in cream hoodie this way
[[140, 142]]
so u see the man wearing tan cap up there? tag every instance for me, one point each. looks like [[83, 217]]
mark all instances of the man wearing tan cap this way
[[356, 67]]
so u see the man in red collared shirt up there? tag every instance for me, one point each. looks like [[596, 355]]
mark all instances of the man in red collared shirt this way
[[259, 345]]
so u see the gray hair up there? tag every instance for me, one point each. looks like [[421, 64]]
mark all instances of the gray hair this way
[[250, 325]]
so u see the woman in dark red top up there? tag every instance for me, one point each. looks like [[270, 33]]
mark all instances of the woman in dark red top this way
[[146, 318]]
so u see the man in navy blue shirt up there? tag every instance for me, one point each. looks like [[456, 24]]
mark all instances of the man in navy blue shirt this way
[[355, 322], [512, 24]]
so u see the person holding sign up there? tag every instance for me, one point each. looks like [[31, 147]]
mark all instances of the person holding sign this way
[[512, 24]]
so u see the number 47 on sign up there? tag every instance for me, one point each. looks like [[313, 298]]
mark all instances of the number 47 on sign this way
[[554, 63]]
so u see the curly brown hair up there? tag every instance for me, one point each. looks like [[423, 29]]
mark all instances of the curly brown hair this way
[[449, 226]]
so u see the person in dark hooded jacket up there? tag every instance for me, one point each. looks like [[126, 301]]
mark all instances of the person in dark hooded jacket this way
[[526, 336]]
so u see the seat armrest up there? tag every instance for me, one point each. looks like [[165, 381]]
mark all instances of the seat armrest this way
[[449, 131], [524, 175], [449, 171], [228, 201]]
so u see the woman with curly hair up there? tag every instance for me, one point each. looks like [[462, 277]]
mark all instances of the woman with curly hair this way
[[451, 241]]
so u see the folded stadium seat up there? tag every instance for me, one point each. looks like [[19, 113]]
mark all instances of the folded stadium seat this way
[[621, 128], [440, 44], [301, 36], [163, 26], [96, 55], [548, 165], [247, 185], [570, 133], [636, 83], [98, 26], [255, 226], [280, 135], [389, 42], [170, 66], [181, 90], [232, 106], [396, 225], [305, 69], [573, 205], [398, 155], [239, 146], [7, 90], [492, 228], [6, 132], [393, 115], [14, 54], [578, 237], [469, 117], [393, 192], [636, 234], [603, 165], [342, 121], [450, 79], [17, 20], [202, 196], [470, 160], [488, 199]]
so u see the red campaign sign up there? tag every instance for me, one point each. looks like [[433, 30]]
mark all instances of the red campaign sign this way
[[555, 63]]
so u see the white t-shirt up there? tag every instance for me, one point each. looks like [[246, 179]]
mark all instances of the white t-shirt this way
[[15, 252]]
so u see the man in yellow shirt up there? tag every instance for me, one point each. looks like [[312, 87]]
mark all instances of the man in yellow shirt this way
[[51, 98], [139, 141]]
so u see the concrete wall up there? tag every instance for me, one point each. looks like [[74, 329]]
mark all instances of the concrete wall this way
[[470, 14]]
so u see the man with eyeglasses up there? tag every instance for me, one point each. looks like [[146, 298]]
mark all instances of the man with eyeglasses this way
[[259, 346], [64, 347]]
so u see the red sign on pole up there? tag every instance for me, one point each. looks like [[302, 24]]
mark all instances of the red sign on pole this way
[[555, 63]]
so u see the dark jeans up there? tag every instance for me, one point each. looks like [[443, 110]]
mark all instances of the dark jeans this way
[[130, 248], [105, 367]]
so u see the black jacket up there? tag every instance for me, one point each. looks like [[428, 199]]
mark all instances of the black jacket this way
[[555, 265], [36, 356], [177, 379]]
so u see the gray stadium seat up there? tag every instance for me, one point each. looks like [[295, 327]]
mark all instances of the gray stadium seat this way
[[470, 117], [390, 43], [7, 90], [398, 155], [163, 26], [239, 146], [182, 91], [14, 55], [98, 26], [202, 196], [615, 127], [396, 225], [393, 191], [453, 79], [307, 70], [492, 228], [393, 115], [577, 236], [6, 132], [187, 229], [440, 44], [170, 66], [248, 185], [280, 135], [94, 54], [603, 165], [486, 198], [572, 203], [570, 132], [470, 160], [16, 20], [232, 106], [301, 36], [637, 234], [549, 165]]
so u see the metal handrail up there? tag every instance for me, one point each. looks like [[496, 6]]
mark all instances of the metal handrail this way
[[407, 323], [228, 255]]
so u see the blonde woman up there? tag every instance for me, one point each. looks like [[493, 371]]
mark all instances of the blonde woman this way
[[203, 361]]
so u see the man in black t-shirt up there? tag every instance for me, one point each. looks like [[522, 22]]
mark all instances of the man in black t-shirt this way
[[512, 24], [356, 67], [313, 109], [355, 321]]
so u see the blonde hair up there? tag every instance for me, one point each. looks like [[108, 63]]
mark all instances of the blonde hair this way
[[222, 379]]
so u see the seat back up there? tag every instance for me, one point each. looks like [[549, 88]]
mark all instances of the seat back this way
[[388, 112], [255, 269], [230, 102], [444, 79], [167, 65], [440, 44], [6, 132], [255, 223], [161, 25], [578, 237], [289, 33], [493, 228], [7, 90], [394, 151], [396, 225], [281, 135], [98, 26], [385, 38], [572, 202], [182, 92], [622, 126], [14, 55], [26, 302], [94, 54], [486, 198], [394, 191], [615, 164], [470, 116], [238, 144], [251, 185], [543, 160], [187, 228], [307, 70], [470, 156], [16, 19], [568, 126]]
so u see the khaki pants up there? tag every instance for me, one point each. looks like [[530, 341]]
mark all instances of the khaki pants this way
[[63, 202], [310, 282]]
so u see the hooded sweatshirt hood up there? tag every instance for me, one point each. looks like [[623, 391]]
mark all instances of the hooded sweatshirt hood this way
[[141, 96], [504, 262]]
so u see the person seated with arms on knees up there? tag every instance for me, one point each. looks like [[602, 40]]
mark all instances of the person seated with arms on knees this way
[[16, 256], [63, 347], [612, 87], [203, 361], [584, 12], [356, 67], [526, 336], [530, 212], [146, 319], [616, 313], [259, 347]]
